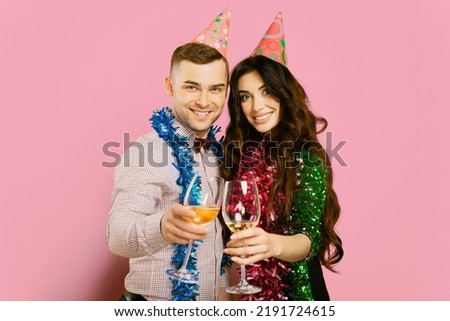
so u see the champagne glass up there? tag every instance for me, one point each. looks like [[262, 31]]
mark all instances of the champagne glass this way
[[204, 197], [240, 211]]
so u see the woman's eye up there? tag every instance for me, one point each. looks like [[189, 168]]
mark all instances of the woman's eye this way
[[244, 98]]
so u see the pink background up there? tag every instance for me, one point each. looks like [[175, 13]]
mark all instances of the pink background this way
[[77, 74]]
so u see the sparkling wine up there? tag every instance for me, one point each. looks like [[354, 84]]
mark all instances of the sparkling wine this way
[[240, 226], [204, 215]]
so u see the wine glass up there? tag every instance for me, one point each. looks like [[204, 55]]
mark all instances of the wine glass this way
[[204, 197], [240, 211]]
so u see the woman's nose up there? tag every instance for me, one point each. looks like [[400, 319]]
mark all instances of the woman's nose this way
[[258, 103]]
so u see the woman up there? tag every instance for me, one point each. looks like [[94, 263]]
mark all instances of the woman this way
[[272, 136]]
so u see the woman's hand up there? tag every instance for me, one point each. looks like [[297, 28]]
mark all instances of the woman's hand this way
[[251, 245], [255, 244]]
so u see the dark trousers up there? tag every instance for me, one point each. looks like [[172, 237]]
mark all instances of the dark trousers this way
[[127, 296]]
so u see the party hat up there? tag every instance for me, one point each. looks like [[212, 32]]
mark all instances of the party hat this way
[[272, 44], [216, 33]]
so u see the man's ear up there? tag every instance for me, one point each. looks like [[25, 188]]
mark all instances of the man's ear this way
[[168, 85]]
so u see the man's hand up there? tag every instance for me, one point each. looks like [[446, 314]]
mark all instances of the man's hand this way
[[175, 229]]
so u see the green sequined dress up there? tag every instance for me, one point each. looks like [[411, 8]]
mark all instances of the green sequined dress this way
[[280, 280]]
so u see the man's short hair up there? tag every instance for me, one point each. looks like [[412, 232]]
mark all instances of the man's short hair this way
[[197, 53]]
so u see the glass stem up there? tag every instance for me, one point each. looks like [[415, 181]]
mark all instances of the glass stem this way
[[186, 257], [243, 276]]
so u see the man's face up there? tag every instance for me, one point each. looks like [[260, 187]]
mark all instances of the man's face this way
[[198, 93]]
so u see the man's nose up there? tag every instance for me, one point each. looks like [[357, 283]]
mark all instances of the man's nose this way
[[203, 99]]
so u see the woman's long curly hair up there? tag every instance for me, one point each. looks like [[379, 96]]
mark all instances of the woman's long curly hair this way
[[297, 125]]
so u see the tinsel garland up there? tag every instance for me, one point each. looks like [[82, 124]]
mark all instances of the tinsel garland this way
[[163, 123], [278, 279], [269, 274]]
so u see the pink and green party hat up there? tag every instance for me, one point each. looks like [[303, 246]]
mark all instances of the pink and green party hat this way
[[216, 33], [272, 44]]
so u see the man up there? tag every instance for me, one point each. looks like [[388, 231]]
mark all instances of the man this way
[[146, 220]]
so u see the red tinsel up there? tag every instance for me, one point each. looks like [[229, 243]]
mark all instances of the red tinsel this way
[[269, 274]]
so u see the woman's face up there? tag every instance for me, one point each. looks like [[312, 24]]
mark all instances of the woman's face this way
[[260, 108]]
